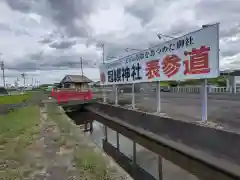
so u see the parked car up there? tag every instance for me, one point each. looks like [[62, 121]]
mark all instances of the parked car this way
[[165, 89]]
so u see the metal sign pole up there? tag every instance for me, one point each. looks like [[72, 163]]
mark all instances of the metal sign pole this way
[[204, 93], [104, 94], [103, 88], [158, 97], [116, 95], [234, 85], [133, 97]]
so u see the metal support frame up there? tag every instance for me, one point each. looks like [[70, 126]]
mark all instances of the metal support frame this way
[[160, 167], [134, 160], [204, 100], [234, 85], [133, 96], [116, 95], [158, 97], [105, 133], [104, 95], [118, 143]]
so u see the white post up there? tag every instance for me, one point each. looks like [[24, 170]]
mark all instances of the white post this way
[[133, 97], [204, 100], [104, 95], [234, 85], [227, 84], [158, 97], [116, 95]]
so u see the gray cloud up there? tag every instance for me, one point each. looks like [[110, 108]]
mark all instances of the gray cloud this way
[[230, 48], [63, 44], [225, 12], [16, 31], [144, 10], [5, 27], [50, 37], [72, 15], [52, 61], [20, 5], [226, 32], [69, 15], [45, 41], [181, 27], [36, 56]]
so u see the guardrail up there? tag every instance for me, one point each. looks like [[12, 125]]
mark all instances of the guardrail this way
[[187, 89], [197, 89], [195, 160]]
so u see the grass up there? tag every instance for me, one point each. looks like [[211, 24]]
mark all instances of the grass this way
[[91, 163], [14, 99], [164, 83], [18, 130]]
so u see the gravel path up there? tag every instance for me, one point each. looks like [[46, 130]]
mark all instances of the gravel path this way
[[55, 158]]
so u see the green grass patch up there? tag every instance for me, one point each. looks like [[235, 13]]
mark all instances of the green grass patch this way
[[14, 99], [18, 130], [164, 83], [89, 162]]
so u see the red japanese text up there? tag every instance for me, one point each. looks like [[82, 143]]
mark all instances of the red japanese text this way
[[198, 63], [153, 69], [171, 65]]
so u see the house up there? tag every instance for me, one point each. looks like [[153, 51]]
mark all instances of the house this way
[[75, 81]]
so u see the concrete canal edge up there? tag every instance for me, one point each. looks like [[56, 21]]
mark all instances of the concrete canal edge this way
[[112, 166]]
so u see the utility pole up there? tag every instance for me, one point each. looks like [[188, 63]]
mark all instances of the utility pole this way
[[81, 60], [24, 78], [103, 52], [3, 73]]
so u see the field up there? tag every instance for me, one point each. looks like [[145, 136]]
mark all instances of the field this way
[[14, 99], [18, 130]]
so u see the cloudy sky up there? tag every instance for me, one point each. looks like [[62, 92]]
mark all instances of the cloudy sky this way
[[46, 38]]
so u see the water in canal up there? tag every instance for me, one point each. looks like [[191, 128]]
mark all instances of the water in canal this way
[[144, 158]]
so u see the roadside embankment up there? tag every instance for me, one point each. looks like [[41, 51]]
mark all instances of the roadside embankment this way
[[87, 158], [39, 141]]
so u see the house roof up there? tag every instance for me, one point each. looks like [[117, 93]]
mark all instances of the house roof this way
[[76, 79]]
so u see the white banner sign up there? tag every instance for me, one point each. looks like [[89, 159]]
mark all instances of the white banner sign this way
[[192, 56]]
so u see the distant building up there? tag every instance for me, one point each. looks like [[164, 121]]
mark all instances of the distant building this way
[[233, 80], [75, 81], [57, 85], [95, 84]]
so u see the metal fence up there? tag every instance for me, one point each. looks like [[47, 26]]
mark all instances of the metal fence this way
[[182, 103]]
